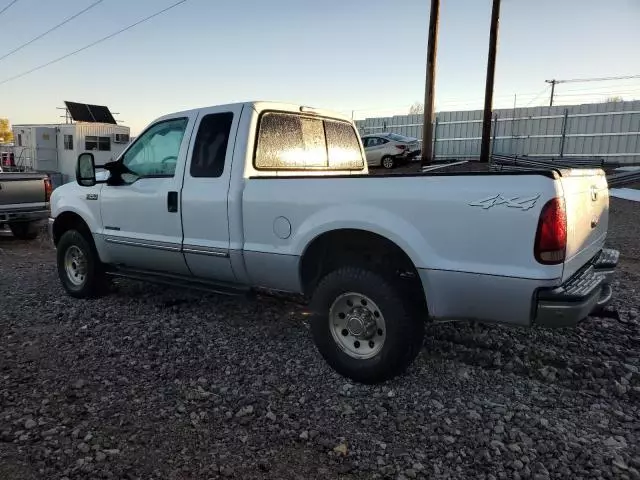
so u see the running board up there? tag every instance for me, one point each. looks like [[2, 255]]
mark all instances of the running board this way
[[178, 281]]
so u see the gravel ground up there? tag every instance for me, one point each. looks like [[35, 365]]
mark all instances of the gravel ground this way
[[161, 383]]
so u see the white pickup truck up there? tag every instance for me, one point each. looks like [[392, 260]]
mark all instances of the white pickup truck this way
[[277, 196]]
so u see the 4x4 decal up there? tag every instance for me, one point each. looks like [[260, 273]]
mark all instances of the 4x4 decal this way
[[523, 203]]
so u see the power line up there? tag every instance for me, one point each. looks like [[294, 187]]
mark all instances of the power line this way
[[7, 7], [50, 30], [39, 67], [603, 88], [599, 79], [599, 94], [536, 97]]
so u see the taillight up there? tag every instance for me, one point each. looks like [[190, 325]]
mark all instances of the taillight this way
[[551, 236], [48, 188]]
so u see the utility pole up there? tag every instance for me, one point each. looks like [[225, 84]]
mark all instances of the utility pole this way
[[429, 88], [553, 89], [488, 94]]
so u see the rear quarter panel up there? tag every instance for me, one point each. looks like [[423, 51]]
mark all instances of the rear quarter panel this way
[[481, 224]]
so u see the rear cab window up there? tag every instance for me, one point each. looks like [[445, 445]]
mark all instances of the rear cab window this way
[[296, 142]]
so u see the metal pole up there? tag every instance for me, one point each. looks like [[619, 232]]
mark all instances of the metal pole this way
[[495, 133], [435, 138], [564, 131], [553, 89], [488, 94], [429, 88], [513, 123]]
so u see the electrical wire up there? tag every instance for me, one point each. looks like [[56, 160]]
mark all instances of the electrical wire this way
[[7, 7], [605, 88], [67, 20], [546, 89], [591, 94], [601, 79], [92, 44]]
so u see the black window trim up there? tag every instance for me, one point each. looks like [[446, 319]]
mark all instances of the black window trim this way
[[155, 175], [307, 169], [195, 133]]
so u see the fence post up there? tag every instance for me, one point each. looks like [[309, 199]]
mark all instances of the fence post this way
[[564, 131], [435, 137], [495, 134]]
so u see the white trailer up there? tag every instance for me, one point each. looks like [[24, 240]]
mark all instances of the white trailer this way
[[54, 148]]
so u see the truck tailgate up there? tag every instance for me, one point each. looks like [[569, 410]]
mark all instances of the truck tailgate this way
[[18, 190], [586, 198]]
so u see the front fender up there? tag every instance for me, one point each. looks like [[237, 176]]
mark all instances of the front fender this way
[[83, 201]]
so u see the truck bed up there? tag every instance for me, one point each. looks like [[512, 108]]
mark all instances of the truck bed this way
[[475, 230], [23, 196]]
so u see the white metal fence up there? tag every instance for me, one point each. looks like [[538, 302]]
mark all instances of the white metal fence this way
[[610, 131]]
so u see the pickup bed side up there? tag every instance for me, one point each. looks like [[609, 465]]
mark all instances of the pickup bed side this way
[[458, 244]]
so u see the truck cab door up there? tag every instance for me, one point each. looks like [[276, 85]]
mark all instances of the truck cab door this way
[[141, 217], [205, 193]]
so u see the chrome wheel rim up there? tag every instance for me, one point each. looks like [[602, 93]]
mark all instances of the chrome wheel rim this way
[[387, 162], [75, 265], [357, 325]]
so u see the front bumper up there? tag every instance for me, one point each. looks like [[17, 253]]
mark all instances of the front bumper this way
[[589, 289]]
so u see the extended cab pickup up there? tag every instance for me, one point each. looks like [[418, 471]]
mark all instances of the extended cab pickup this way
[[24, 202], [277, 196]]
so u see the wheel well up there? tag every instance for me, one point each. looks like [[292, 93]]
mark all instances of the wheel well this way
[[70, 221], [351, 247]]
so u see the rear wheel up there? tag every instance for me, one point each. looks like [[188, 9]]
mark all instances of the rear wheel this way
[[79, 268], [388, 162], [24, 230], [363, 326]]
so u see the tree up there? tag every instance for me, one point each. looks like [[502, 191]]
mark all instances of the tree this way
[[617, 98], [416, 108], [6, 135]]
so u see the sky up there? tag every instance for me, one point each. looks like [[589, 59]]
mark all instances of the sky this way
[[360, 56]]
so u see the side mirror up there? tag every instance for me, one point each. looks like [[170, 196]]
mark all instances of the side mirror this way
[[86, 170]]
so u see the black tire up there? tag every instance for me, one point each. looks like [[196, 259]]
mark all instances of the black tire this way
[[404, 328], [391, 162], [24, 230], [95, 282]]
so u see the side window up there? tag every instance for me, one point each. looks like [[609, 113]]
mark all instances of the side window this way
[[343, 146], [210, 148], [90, 142], [290, 142], [365, 142], [104, 144], [68, 142], [155, 152]]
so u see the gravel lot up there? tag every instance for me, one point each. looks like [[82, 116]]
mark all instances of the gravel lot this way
[[160, 383]]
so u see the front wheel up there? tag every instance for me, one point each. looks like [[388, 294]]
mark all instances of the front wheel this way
[[363, 326], [79, 267]]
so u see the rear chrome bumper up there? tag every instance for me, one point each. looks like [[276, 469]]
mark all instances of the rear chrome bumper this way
[[36, 215], [589, 289]]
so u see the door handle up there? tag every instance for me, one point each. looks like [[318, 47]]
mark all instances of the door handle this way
[[172, 202]]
